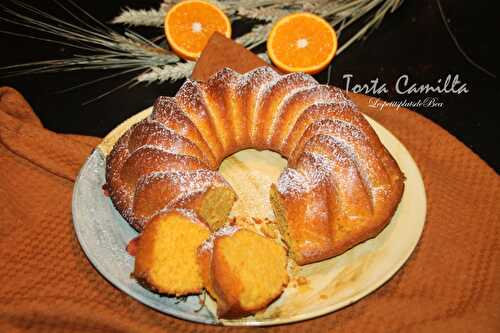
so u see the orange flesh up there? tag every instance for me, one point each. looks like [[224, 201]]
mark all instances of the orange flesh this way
[[190, 25], [302, 42]]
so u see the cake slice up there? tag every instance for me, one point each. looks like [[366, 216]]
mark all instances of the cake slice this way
[[166, 253], [242, 270]]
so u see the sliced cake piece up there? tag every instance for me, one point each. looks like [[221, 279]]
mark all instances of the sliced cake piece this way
[[242, 270], [166, 253]]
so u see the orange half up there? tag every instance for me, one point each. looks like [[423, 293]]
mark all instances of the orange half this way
[[302, 42], [189, 25]]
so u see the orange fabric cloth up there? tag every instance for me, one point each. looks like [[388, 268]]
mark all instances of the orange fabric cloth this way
[[450, 284]]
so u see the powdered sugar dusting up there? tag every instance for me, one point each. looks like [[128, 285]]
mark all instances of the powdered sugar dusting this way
[[284, 101], [339, 128], [189, 213], [263, 88], [340, 132], [153, 132], [225, 76], [341, 153], [355, 144], [207, 245], [167, 112], [255, 78], [292, 182], [318, 169], [189, 95], [320, 94], [184, 182], [294, 105], [170, 150], [227, 230], [166, 108]]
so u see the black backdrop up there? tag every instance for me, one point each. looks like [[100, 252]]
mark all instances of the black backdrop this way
[[412, 41]]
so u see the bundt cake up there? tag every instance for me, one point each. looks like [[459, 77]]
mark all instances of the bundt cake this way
[[341, 185], [242, 270], [166, 253]]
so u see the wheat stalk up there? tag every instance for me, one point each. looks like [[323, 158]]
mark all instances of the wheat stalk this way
[[109, 49], [129, 52], [173, 72], [148, 18]]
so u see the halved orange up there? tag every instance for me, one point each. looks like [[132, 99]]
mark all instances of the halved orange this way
[[189, 25], [302, 42]]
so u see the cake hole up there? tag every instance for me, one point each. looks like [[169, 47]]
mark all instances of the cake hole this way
[[251, 172]]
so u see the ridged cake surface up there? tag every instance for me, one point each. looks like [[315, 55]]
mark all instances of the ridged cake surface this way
[[341, 185]]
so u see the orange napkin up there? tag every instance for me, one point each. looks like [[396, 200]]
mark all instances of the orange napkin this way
[[450, 284]]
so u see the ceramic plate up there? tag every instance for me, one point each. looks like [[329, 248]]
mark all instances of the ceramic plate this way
[[331, 284]]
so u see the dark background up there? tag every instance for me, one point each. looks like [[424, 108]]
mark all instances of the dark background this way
[[412, 41]]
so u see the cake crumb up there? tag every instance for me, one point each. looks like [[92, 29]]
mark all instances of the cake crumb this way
[[244, 222], [302, 280], [294, 268], [256, 220]]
